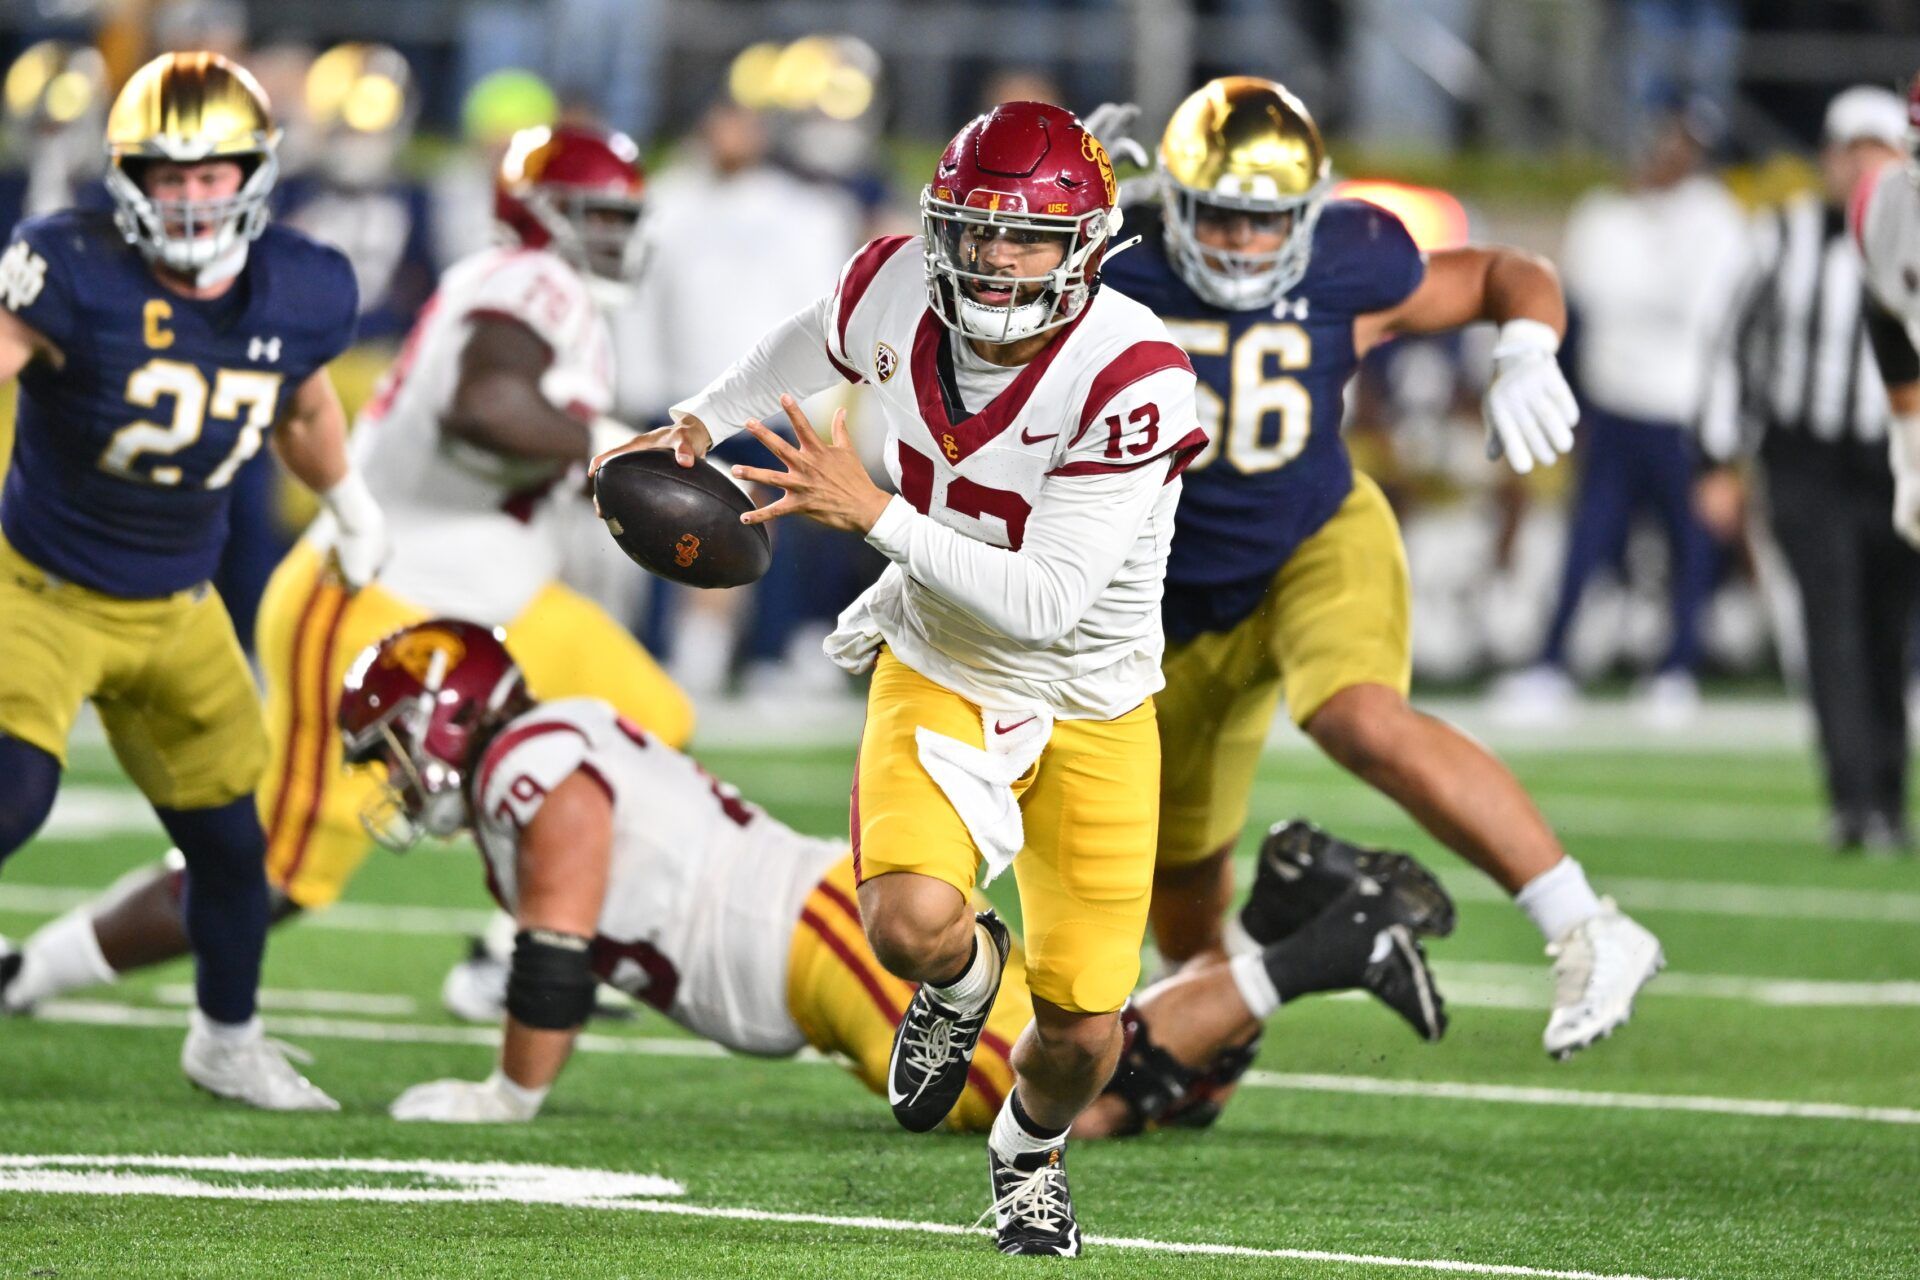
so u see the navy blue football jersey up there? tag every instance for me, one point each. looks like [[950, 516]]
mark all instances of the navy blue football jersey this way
[[1271, 392], [123, 454]]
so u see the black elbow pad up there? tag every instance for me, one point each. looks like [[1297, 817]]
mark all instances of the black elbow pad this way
[[551, 984]]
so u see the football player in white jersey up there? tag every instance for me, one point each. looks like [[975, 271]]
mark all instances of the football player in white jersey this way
[[622, 861], [1884, 214], [1037, 426], [499, 393]]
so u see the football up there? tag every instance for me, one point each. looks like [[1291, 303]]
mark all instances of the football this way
[[682, 523]]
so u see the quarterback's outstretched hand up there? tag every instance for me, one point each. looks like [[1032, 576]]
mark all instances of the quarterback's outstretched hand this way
[[824, 480], [495, 1100], [1112, 124], [688, 439], [1530, 409]]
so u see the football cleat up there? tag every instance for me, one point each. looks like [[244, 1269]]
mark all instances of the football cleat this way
[[1599, 966], [475, 990], [1361, 942], [933, 1047], [1301, 870], [253, 1070], [1397, 973], [1032, 1208], [10, 962]]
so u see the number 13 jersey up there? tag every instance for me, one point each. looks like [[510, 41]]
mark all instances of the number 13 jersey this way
[[1035, 507], [126, 446]]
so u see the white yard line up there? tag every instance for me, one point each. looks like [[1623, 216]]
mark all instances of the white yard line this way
[[1727, 898], [304, 1000], [354, 917], [1528, 986], [105, 1013], [601, 1189]]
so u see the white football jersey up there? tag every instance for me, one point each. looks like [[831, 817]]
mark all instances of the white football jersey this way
[[1073, 623], [473, 532], [1885, 216], [705, 890]]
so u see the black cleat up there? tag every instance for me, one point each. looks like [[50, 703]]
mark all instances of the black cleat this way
[[10, 962], [1032, 1208], [1360, 942], [933, 1047], [1301, 870]]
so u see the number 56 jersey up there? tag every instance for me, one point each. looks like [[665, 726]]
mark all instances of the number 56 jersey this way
[[125, 445], [704, 890]]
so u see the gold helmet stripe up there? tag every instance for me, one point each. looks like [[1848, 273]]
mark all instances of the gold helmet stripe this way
[[1244, 139], [187, 107]]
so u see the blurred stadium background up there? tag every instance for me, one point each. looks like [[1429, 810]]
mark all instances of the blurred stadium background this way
[[782, 132]]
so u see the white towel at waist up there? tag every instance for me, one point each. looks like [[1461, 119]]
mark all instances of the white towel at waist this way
[[979, 784]]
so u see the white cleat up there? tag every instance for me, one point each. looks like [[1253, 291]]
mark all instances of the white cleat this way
[[251, 1069], [1598, 968], [475, 990]]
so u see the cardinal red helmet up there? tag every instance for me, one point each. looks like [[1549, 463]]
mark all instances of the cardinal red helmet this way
[[423, 702], [1022, 179], [579, 191]]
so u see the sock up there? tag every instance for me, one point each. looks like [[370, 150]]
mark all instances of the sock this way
[[62, 955], [968, 992], [1255, 986], [1016, 1134], [225, 907], [29, 778], [225, 1034], [1237, 940], [1558, 899]]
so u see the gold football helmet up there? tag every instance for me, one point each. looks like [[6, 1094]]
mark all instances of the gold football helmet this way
[[186, 108], [1242, 152]]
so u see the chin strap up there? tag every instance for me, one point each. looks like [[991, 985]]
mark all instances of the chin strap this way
[[1121, 248]]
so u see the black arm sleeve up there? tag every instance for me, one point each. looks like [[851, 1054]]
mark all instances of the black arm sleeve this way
[[1892, 344]]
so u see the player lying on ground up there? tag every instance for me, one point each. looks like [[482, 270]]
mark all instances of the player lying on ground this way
[[1287, 574], [467, 447], [156, 347], [623, 862]]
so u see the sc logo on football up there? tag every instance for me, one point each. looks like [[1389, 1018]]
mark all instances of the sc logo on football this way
[[686, 551], [885, 361]]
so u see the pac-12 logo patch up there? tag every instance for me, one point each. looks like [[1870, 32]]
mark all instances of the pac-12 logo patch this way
[[885, 361]]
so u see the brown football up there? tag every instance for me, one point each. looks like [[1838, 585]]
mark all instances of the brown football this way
[[682, 523]]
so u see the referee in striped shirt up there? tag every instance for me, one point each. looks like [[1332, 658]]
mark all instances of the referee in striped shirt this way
[[1804, 395]]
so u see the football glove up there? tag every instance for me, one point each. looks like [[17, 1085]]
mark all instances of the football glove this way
[[1903, 451], [1529, 407], [362, 545], [495, 1100], [1111, 123]]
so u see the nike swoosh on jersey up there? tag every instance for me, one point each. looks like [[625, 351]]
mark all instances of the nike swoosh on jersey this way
[[1027, 439], [1009, 728]]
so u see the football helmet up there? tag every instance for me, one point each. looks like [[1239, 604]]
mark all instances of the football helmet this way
[[189, 107], [579, 191], [1029, 173], [361, 103], [1242, 148], [423, 703]]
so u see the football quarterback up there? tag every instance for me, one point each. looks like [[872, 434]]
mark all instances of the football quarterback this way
[[1287, 577], [158, 346], [623, 862], [1037, 425], [474, 441]]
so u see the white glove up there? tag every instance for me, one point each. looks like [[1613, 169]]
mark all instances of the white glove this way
[[1529, 407], [1112, 124], [362, 545], [1903, 451], [495, 1100]]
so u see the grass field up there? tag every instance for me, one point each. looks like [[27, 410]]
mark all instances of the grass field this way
[[1760, 1118]]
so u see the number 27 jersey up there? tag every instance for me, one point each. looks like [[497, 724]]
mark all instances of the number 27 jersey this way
[[124, 452]]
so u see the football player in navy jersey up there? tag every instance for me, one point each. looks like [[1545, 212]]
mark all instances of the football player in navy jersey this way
[[156, 346], [1287, 574]]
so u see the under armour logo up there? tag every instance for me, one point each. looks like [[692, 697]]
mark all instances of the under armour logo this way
[[1290, 309], [264, 348]]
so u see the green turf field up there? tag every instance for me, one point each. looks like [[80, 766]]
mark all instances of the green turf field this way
[[1760, 1118]]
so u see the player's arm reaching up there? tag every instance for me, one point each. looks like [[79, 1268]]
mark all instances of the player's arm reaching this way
[[1076, 540], [1529, 408], [311, 441], [565, 857], [498, 403], [20, 343]]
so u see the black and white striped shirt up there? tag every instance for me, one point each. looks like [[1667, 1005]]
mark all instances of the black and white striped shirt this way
[[1801, 358]]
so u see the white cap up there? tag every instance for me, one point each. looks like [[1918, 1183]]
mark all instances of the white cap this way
[[1867, 112]]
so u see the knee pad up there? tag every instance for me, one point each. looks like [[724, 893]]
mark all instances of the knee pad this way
[[29, 779], [1151, 1081]]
